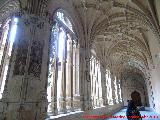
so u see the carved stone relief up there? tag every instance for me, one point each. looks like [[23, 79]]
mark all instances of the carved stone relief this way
[[21, 57], [36, 58]]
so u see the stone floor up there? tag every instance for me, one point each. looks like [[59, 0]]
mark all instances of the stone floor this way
[[147, 112]]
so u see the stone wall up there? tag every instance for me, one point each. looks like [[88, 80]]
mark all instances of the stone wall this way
[[130, 86], [154, 80]]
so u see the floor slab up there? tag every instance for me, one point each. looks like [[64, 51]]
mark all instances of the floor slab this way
[[149, 113]]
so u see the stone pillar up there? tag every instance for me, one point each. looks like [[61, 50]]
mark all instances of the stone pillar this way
[[85, 91], [62, 99], [104, 87], [25, 93], [113, 88], [69, 75], [4, 48], [76, 77], [81, 74], [54, 70], [100, 97], [1, 30], [119, 91]]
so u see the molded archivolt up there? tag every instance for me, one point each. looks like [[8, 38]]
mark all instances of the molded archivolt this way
[[8, 9], [68, 8]]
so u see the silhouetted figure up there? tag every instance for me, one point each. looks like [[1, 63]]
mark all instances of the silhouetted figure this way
[[132, 112]]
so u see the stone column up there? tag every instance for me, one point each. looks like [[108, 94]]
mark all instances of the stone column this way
[[25, 93], [62, 99], [100, 98], [5, 45], [1, 33], [104, 87], [1, 30], [69, 76], [119, 91], [54, 68], [81, 74], [113, 88], [93, 87], [76, 78], [85, 91]]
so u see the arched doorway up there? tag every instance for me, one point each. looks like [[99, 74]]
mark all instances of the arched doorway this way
[[136, 97]]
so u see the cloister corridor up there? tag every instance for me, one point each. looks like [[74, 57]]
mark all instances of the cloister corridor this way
[[69, 59]]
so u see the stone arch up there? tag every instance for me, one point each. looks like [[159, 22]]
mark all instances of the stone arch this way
[[54, 6]]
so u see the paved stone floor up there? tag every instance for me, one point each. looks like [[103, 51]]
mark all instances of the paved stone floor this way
[[147, 112]]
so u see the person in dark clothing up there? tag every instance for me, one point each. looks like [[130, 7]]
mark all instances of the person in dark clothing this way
[[132, 112]]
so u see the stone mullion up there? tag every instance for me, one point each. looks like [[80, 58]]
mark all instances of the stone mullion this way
[[92, 77], [107, 91], [81, 75], [120, 89], [69, 78], [100, 82], [77, 97], [94, 91], [103, 85], [113, 89], [74, 72], [117, 91], [63, 81], [94, 84], [5, 51], [117, 83], [5, 61], [98, 91], [54, 88], [77, 69], [55, 78], [106, 88], [98, 85], [76, 82], [98, 96], [1, 33]]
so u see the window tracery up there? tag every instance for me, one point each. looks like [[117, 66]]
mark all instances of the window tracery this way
[[7, 39], [63, 75]]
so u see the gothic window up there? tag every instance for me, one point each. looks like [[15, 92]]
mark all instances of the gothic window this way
[[63, 75], [6, 42], [96, 83]]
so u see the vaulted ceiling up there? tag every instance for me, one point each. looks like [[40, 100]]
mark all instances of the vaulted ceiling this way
[[115, 29], [117, 32]]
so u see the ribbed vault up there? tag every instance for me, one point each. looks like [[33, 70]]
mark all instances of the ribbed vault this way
[[116, 30]]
